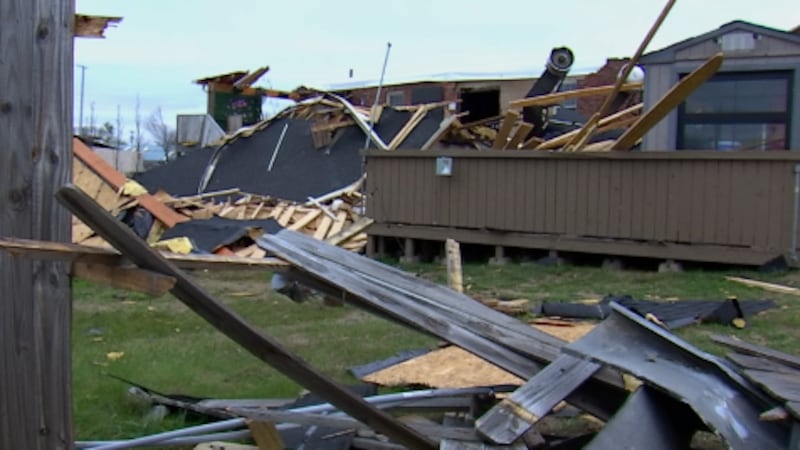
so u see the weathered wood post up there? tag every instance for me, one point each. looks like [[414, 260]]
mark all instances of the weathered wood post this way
[[35, 159]]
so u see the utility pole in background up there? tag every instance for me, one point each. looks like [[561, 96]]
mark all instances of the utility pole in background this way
[[80, 114]]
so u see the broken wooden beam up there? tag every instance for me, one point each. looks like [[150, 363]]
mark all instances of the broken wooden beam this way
[[84, 253], [772, 287], [447, 122], [232, 324], [501, 139], [455, 276], [674, 97], [131, 278], [519, 135], [516, 414], [604, 122], [357, 227], [558, 97], [86, 26]]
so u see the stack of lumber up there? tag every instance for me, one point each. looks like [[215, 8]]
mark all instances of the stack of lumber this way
[[335, 219]]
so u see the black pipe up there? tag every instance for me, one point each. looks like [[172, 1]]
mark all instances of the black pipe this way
[[556, 69]]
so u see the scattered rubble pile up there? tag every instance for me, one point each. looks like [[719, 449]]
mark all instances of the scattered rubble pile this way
[[184, 225], [647, 387]]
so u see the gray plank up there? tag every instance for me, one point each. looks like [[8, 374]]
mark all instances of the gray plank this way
[[783, 386], [759, 350], [456, 307], [755, 362], [440, 311], [512, 417]]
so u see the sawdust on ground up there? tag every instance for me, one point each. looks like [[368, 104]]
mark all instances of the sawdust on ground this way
[[452, 367]]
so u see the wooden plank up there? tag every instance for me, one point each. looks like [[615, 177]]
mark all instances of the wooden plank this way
[[558, 97], [604, 123], [455, 276], [339, 223], [783, 386], [447, 122], [107, 198], [36, 79], [515, 415], [60, 251], [286, 216], [265, 434], [668, 102], [144, 281], [160, 211], [755, 362], [758, 350], [412, 123], [322, 229], [519, 135], [590, 127], [234, 326], [276, 210], [354, 229], [772, 287], [305, 220], [92, 26], [509, 120], [88, 181]]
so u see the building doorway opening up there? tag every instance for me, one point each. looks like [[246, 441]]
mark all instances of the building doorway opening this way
[[480, 104]]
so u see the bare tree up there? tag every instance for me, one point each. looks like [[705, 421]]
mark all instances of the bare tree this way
[[163, 134], [138, 125]]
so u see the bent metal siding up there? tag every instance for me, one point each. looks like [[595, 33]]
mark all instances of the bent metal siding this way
[[708, 206]]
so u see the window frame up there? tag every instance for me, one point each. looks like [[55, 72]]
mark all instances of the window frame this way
[[396, 93], [733, 118]]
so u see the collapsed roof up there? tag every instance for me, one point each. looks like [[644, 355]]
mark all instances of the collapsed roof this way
[[307, 150]]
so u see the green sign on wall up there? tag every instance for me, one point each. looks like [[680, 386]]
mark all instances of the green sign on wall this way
[[228, 104]]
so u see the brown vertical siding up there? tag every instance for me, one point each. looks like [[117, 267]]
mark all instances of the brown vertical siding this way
[[742, 200]]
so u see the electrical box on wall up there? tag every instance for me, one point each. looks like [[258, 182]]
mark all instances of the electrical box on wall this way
[[444, 166]]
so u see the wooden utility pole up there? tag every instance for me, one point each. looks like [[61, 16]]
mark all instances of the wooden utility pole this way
[[35, 159]]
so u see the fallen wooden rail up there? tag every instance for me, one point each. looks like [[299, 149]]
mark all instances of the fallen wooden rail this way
[[234, 326]]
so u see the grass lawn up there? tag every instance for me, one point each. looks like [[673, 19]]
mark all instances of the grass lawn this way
[[165, 346]]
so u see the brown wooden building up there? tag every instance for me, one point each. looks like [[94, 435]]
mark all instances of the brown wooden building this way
[[729, 207], [738, 207]]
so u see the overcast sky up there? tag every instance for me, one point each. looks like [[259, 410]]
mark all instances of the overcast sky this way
[[162, 45]]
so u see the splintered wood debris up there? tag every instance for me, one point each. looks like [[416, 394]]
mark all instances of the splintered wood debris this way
[[334, 217]]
